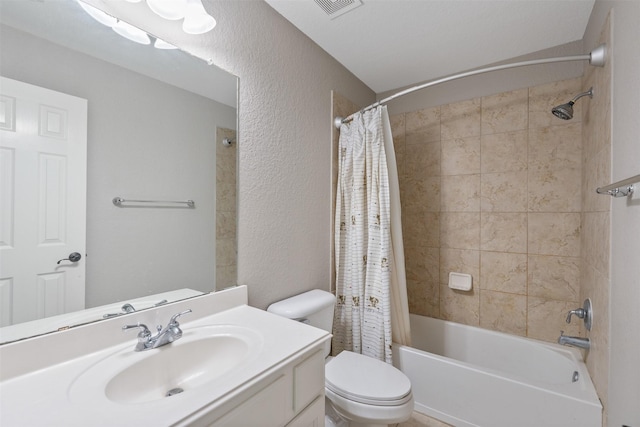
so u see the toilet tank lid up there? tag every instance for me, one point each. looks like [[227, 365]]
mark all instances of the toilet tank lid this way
[[303, 305]]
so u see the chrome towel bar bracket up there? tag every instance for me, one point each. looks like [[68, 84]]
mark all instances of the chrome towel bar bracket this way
[[621, 188]]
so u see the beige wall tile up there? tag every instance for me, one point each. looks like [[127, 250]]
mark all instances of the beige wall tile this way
[[225, 225], [423, 264], [421, 230], [554, 277], [503, 232], [596, 173], [503, 192], [504, 272], [460, 193], [225, 196], [555, 147], [226, 252], [504, 152], [461, 156], [397, 132], [597, 242], [420, 195], [422, 126], [546, 318], [460, 119], [424, 298], [422, 160], [460, 230], [226, 276], [503, 312], [554, 234], [555, 190], [397, 122], [505, 112], [458, 306]]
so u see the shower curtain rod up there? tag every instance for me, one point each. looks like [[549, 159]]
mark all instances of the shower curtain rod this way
[[597, 58]]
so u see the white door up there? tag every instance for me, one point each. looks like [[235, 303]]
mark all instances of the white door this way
[[43, 153]]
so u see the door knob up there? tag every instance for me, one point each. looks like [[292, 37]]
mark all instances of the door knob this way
[[73, 257]]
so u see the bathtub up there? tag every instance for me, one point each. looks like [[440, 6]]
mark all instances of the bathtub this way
[[468, 376]]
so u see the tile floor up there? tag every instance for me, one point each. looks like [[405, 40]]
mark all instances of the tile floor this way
[[421, 420]]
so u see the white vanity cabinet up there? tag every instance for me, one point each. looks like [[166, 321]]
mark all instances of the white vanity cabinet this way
[[292, 394], [235, 365]]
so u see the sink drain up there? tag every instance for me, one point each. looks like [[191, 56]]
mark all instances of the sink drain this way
[[173, 391]]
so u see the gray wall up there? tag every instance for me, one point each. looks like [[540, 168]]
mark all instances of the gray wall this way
[[146, 140]]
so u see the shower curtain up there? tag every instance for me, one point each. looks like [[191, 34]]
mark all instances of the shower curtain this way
[[372, 308]]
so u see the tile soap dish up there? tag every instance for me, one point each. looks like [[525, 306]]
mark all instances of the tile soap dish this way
[[460, 281]]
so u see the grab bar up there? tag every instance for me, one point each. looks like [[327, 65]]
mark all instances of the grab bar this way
[[615, 189], [118, 201]]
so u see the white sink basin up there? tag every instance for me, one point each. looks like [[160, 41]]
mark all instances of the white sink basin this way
[[202, 355]]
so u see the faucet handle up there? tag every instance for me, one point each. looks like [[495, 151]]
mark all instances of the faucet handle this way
[[144, 335], [585, 313], [174, 319], [580, 312], [144, 331]]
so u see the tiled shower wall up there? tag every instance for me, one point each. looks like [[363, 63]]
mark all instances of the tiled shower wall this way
[[226, 246], [596, 216], [491, 187]]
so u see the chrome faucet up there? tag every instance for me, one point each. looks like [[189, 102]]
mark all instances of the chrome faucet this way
[[166, 335], [574, 341]]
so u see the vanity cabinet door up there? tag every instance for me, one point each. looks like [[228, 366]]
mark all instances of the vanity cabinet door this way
[[308, 381], [268, 407], [312, 416]]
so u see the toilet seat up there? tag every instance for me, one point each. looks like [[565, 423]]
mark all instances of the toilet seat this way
[[366, 380]]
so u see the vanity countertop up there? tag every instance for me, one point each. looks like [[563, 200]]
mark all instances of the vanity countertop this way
[[46, 396]]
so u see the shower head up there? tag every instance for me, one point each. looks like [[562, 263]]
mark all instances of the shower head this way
[[565, 111]]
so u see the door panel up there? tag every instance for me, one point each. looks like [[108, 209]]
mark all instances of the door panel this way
[[43, 151]]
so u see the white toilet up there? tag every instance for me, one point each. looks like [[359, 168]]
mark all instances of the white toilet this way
[[360, 391]]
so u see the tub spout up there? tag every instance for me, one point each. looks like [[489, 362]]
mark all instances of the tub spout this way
[[574, 341]]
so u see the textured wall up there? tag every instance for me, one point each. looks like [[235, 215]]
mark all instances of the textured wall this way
[[491, 187]]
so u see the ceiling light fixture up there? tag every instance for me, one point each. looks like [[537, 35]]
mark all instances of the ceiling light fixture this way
[[161, 44], [132, 33], [196, 20], [168, 9]]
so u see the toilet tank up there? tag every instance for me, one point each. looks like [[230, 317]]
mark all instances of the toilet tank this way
[[314, 308]]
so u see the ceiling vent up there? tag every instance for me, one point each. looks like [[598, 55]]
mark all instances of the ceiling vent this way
[[335, 8]]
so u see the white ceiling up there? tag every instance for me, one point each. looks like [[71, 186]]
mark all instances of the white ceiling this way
[[394, 43]]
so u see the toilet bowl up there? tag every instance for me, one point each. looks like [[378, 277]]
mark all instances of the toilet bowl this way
[[360, 391], [367, 391]]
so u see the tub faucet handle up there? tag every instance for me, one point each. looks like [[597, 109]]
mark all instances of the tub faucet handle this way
[[580, 312], [585, 313]]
